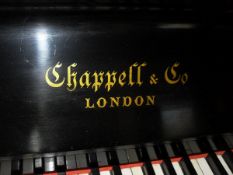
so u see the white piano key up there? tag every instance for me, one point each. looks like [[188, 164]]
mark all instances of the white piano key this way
[[157, 169], [137, 171], [224, 164], [204, 166], [177, 168], [126, 171], [105, 173], [84, 174], [196, 167]]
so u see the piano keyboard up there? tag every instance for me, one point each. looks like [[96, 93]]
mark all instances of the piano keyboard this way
[[204, 156]]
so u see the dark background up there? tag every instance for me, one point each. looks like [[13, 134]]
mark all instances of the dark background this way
[[36, 118]]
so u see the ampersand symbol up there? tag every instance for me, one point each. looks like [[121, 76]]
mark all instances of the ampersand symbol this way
[[153, 79]]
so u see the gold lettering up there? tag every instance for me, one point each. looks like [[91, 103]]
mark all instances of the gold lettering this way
[[122, 77], [111, 80], [139, 81], [71, 77], [85, 80], [114, 101], [175, 78], [154, 79], [98, 80], [101, 102], [139, 100], [184, 78], [56, 75], [131, 82], [150, 100], [88, 106], [127, 101]]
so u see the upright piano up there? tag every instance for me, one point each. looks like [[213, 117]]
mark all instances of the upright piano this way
[[116, 87]]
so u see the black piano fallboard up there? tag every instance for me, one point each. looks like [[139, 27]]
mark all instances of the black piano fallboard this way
[[70, 82]]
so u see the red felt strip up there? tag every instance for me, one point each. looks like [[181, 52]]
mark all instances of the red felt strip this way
[[77, 172], [176, 159], [219, 152], [50, 174], [131, 165], [157, 161], [197, 156], [107, 168]]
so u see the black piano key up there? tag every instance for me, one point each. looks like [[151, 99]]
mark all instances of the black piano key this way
[[228, 159], [38, 165], [112, 158], [60, 163], [28, 166], [144, 157], [167, 166], [49, 164], [212, 158], [81, 160], [114, 162], [102, 159], [95, 171], [174, 152], [229, 140], [93, 163], [16, 167], [116, 170], [70, 162], [184, 168], [92, 160], [203, 147], [215, 164], [145, 170], [197, 148], [186, 164], [222, 145], [61, 173], [132, 155], [5, 168]]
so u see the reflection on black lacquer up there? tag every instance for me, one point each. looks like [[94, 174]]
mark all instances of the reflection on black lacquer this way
[[116, 83]]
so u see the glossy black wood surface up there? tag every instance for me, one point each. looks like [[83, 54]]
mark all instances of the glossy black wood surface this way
[[36, 118]]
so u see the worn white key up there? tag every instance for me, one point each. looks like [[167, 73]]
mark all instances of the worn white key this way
[[177, 168], [126, 171], [137, 171], [157, 169], [224, 164], [105, 173], [196, 167], [204, 166]]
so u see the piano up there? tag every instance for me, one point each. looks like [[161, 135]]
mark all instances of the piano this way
[[116, 87]]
